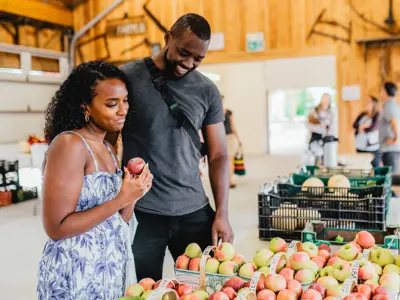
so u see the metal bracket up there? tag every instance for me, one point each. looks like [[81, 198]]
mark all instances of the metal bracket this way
[[90, 40]]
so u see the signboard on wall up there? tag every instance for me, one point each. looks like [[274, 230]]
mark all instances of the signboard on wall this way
[[255, 42], [126, 26], [351, 92]]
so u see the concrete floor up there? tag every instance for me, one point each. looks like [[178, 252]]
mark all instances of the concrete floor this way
[[22, 237]]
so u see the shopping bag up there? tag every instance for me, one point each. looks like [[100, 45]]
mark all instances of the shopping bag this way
[[239, 166]]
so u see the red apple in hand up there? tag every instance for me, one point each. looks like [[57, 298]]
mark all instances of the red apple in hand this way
[[136, 165]]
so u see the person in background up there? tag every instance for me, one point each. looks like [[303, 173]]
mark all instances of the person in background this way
[[86, 204], [232, 141], [366, 130], [177, 211], [320, 119], [389, 127]]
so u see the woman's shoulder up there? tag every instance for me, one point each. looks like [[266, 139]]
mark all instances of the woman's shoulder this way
[[69, 142]]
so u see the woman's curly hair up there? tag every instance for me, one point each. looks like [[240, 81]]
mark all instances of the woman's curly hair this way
[[66, 109]]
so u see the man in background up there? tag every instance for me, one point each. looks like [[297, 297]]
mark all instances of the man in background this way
[[389, 127]]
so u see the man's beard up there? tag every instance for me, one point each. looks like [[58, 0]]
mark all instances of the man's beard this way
[[170, 67]]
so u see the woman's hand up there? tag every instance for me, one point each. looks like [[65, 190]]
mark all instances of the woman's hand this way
[[135, 187]]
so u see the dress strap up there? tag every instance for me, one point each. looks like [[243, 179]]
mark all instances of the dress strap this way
[[112, 156], [87, 146]]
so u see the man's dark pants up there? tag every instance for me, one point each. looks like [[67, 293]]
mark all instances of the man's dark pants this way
[[155, 233], [391, 159]]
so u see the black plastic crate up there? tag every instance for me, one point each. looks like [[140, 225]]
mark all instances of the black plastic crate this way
[[348, 172], [9, 173], [285, 215], [20, 194]]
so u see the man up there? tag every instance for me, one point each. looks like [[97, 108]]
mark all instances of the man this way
[[389, 127], [176, 211]]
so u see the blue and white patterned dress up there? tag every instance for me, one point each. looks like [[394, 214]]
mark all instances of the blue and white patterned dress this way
[[98, 264]]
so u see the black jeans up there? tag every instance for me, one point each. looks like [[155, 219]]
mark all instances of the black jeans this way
[[377, 157], [391, 159], [155, 233]]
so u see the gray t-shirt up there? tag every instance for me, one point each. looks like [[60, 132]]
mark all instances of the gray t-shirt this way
[[152, 134], [390, 111]]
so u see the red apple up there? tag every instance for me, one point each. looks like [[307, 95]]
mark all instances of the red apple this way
[[266, 295], [364, 289], [319, 288], [319, 261], [324, 253], [219, 296], [287, 273], [365, 239], [311, 294], [189, 297], [324, 247], [182, 262], [355, 296], [260, 285], [286, 295], [357, 246], [194, 264], [380, 290], [294, 286], [136, 165], [147, 283], [381, 297], [235, 282], [229, 291], [275, 283], [183, 289], [170, 285]]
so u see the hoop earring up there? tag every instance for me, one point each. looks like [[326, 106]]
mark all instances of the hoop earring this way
[[87, 118]]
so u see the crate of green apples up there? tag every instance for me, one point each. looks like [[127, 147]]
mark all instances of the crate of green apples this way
[[210, 269]]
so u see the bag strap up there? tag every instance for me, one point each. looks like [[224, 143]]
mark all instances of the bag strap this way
[[160, 83]]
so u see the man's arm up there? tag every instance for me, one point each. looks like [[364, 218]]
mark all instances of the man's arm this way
[[393, 124], [218, 163]]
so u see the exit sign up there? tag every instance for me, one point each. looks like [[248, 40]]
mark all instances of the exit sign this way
[[255, 42]]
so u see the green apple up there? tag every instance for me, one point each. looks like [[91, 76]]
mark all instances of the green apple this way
[[382, 257], [339, 238], [201, 294], [312, 266], [348, 252], [212, 265], [310, 248], [378, 269], [264, 270], [327, 282], [277, 244], [327, 271], [391, 268], [397, 260], [335, 291], [193, 250], [147, 294], [391, 281], [262, 257], [341, 270], [135, 290]]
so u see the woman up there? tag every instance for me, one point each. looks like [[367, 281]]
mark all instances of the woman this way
[[232, 140], [86, 204], [366, 130], [320, 119]]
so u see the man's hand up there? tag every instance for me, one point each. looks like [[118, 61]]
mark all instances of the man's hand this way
[[391, 141], [221, 229]]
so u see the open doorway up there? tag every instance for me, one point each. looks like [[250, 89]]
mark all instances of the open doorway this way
[[287, 117]]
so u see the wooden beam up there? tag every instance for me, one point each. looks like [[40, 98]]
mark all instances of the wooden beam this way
[[38, 10]]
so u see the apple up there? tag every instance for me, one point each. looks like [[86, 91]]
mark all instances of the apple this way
[[324, 253], [373, 286], [286, 295], [348, 252], [358, 247], [294, 286], [355, 296], [310, 248], [238, 259], [275, 283], [319, 288], [135, 290], [380, 290], [183, 289], [266, 295], [193, 250], [391, 268], [320, 261], [170, 285], [229, 291], [327, 271], [281, 264], [381, 297], [365, 239], [194, 264], [135, 165], [332, 298], [324, 247], [201, 294], [260, 285], [228, 268], [397, 260], [333, 260], [182, 262], [212, 265], [147, 283], [235, 282], [262, 257], [374, 281], [311, 294], [378, 269], [335, 291], [265, 270], [390, 281], [188, 297], [146, 294], [247, 270], [341, 270], [327, 282], [366, 271], [219, 296], [298, 260], [364, 289], [277, 244], [225, 252], [382, 256], [243, 290], [304, 276], [312, 266], [287, 273]]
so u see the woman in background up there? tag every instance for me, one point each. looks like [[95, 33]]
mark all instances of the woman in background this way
[[320, 119], [232, 141], [86, 204], [366, 130]]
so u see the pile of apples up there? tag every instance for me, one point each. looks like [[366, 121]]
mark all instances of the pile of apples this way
[[225, 261]]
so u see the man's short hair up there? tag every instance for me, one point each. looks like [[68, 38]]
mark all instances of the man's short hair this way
[[391, 89], [193, 22]]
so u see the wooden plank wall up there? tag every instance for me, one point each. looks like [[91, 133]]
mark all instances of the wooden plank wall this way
[[285, 24]]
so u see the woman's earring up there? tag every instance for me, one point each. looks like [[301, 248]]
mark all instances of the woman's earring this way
[[87, 119]]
